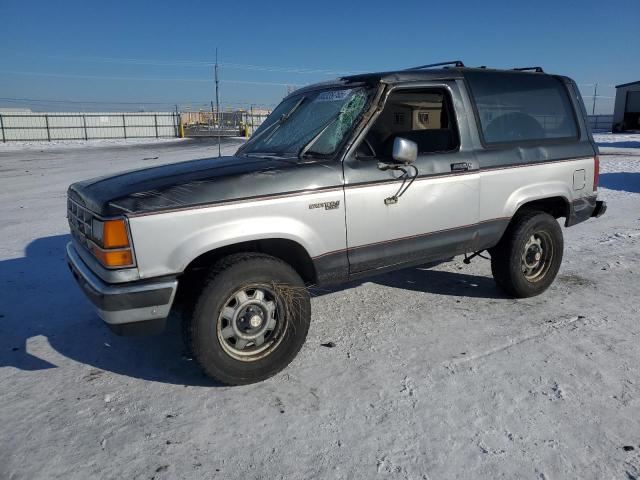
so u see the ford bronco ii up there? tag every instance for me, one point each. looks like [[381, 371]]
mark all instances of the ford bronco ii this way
[[345, 179]]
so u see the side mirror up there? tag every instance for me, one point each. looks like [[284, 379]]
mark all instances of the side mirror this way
[[404, 151]]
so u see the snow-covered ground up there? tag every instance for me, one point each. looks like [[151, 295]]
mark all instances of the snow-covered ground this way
[[622, 140], [435, 374], [21, 146]]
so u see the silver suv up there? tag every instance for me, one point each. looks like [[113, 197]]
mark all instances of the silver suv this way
[[345, 179]]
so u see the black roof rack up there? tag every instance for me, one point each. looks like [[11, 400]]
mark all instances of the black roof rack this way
[[535, 69], [455, 63]]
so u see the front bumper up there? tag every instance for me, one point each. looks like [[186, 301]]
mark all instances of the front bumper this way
[[128, 308]]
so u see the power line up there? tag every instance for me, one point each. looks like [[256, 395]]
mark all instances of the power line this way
[[240, 66], [205, 80], [203, 64], [44, 100], [47, 100], [184, 104], [145, 79]]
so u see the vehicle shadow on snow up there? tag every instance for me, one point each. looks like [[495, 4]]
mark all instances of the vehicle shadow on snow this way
[[40, 298], [623, 144], [623, 181], [441, 283], [423, 279]]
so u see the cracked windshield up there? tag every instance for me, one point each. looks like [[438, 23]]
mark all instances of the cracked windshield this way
[[311, 124]]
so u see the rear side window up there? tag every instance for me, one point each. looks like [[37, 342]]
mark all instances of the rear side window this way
[[519, 107]]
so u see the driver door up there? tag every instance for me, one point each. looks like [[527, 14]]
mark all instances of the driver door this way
[[437, 215]]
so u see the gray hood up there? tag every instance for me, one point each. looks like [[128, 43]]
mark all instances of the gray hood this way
[[202, 182]]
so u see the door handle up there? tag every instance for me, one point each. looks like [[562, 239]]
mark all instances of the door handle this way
[[460, 167]]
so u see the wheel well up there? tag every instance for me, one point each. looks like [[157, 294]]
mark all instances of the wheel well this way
[[287, 250], [555, 206]]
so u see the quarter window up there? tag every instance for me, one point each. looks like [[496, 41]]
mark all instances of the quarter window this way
[[520, 107]]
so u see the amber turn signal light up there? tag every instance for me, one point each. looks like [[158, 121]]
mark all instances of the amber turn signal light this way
[[113, 258], [114, 234]]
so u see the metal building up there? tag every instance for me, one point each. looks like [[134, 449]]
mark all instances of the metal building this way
[[626, 113]]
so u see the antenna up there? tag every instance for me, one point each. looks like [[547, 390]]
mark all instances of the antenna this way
[[217, 103]]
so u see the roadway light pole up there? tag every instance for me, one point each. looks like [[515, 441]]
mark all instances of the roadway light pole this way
[[218, 104]]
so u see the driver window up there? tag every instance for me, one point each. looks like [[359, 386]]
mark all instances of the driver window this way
[[420, 115]]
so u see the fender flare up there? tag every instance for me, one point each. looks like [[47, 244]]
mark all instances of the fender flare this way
[[534, 192], [235, 232]]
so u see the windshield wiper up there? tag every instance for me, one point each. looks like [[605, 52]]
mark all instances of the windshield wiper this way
[[277, 155], [305, 148], [274, 126]]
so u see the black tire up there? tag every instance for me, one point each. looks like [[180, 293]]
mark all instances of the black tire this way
[[284, 300], [515, 265]]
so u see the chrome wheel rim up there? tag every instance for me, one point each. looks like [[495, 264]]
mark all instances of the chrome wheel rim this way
[[537, 255], [250, 325]]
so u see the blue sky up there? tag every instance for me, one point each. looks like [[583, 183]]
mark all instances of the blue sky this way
[[161, 51]]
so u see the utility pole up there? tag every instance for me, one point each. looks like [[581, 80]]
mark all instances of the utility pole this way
[[595, 94], [252, 122], [177, 122], [218, 105]]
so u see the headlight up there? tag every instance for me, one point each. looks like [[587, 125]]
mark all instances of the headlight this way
[[97, 230]]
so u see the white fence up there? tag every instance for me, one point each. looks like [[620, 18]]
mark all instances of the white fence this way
[[87, 126]]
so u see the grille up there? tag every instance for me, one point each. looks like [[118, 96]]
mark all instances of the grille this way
[[79, 222]]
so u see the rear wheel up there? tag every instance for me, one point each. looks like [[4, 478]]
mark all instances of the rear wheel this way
[[527, 258], [250, 320]]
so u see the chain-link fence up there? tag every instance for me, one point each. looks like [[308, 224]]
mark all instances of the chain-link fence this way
[[29, 126], [234, 123]]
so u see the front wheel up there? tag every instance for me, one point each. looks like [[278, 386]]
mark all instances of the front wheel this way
[[527, 258], [250, 320]]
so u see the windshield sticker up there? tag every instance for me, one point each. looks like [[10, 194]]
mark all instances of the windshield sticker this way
[[333, 95]]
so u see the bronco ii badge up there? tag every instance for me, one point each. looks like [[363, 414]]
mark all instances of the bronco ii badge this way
[[332, 205]]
